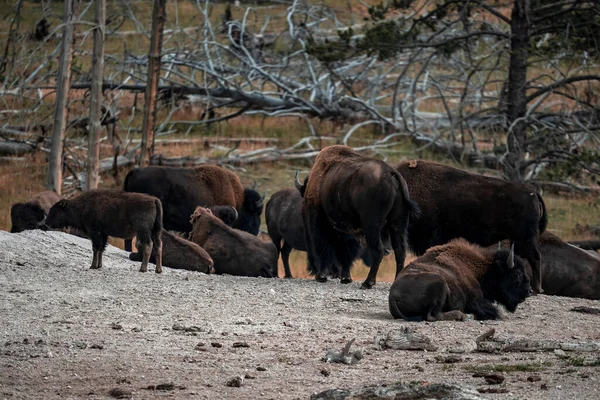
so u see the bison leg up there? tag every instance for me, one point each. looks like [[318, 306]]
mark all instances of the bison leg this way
[[321, 252], [128, 244], [99, 241], [144, 244], [454, 315], [157, 246], [286, 249], [375, 246], [347, 249], [531, 253]]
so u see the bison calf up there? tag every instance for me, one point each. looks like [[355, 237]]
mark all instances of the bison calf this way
[[234, 252], [457, 278], [32, 214], [103, 212], [179, 253]]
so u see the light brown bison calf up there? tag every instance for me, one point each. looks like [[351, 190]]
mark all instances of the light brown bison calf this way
[[456, 278], [179, 253], [102, 213], [32, 214], [234, 252]]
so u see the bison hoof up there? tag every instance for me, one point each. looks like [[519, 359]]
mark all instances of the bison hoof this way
[[143, 269], [367, 285], [288, 277], [158, 271], [321, 279], [95, 267], [346, 280]]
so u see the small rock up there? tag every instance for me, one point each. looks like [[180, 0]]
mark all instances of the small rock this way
[[449, 359], [560, 354], [216, 344], [97, 346], [248, 376], [136, 329], [200, 345], [116, 326], [80, 345], [262, 332], [39, 342], [261, 369], [26, 341], [235, 382], [494, 379], [124, 380], [178, 327], [224, 333], [325, 372], [120, 393], [534, 378], [544, 386], [492, 390], [241, 344]]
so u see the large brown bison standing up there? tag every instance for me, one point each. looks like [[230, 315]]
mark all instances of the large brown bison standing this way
[[283, 215], [481, 209], [234, 252], [101, 213], [181, 190], [32, 214], [457, 278], [347, 196]]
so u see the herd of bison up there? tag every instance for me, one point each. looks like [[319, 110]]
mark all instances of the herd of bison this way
[[480, 240]]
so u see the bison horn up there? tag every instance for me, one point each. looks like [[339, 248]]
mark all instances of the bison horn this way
[[499, 246], [262, 200], [254, 185], [297, 181], [236, 213], [511, 258]]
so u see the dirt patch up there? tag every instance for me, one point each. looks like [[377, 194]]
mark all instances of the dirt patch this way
[[70, 332]]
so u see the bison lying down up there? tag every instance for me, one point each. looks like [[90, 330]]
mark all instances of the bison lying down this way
[[234, 252], [179, 253], [32, 214], [102, 213], [481, 209], [456, 278]]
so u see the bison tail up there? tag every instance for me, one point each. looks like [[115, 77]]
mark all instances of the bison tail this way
[[414, 209], [543, 223], [158, 221]]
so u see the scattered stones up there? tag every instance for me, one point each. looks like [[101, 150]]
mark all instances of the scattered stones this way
[[262, 369], [120, 393], [216, 344], [235, 381], [494, 379], [534, 378], [448, 359], [240, 344], [116, 326], [325, 372]]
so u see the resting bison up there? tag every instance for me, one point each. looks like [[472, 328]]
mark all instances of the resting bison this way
[[32, 214], [456, 278], [181, 190], [283, 214], [348, 196], [102, 213], [179, 253], [568, 270], [483, 210], [234, 252]]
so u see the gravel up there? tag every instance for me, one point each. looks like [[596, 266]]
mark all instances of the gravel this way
[[70, 332]]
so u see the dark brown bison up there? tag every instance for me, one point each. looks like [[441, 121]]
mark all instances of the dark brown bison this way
[[568, 270], [234, 252], [348, 196], [586, 244], [457, 278], [181, 190], [179, 253], [102, 213], [483, 210], [32, 214], [283, 214]]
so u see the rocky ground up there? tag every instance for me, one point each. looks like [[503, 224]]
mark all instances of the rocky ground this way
[[70, 332]]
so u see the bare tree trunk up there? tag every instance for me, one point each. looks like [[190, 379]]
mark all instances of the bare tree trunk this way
[[517, 86], [159, 16], [54, 179], [96, 97]]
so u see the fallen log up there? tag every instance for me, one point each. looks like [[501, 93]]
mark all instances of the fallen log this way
[[16, 149], [413, 390], [486, 343]]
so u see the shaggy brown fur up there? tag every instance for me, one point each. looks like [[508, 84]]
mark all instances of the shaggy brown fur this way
[[179, 253], [483, 210], [104, 212], [456, 278], [234, 252], [32, 214], [348, 196]]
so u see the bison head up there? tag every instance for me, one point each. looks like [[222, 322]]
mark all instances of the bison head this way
[[249, 217], [26, 216], [59, 215], [226, 214], [509, 282]]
